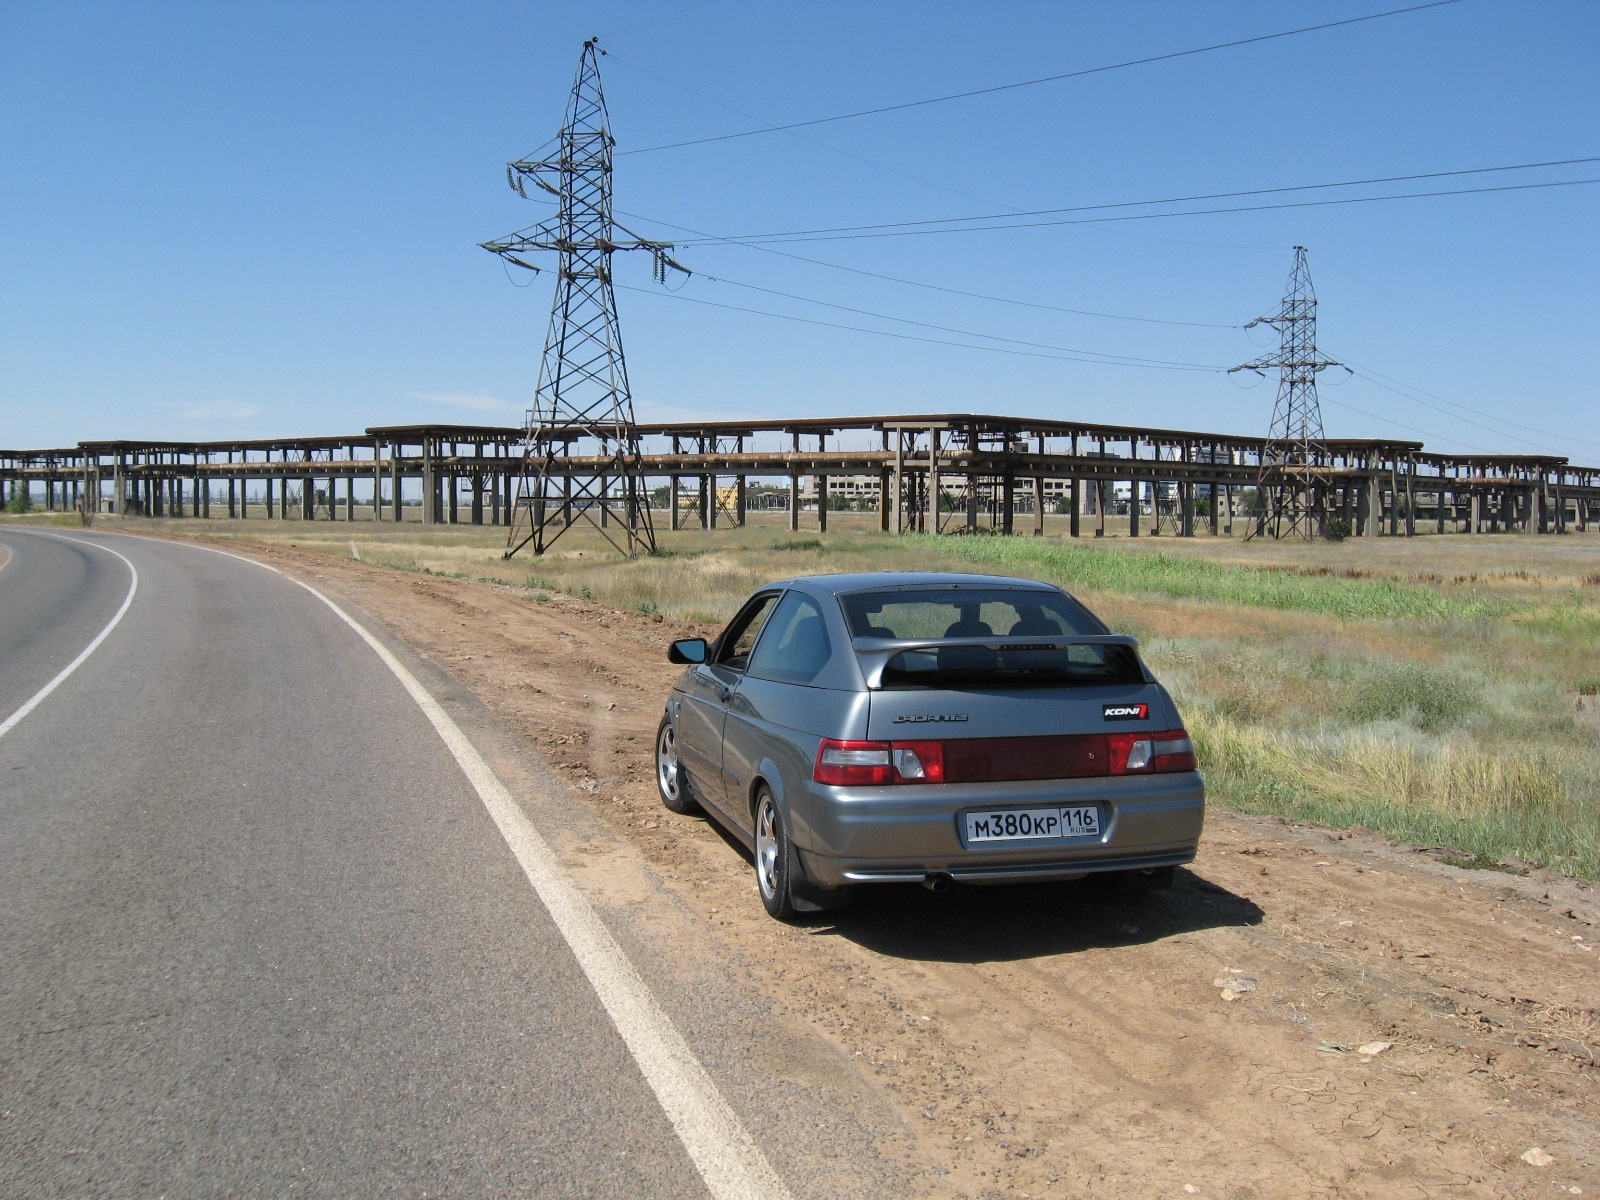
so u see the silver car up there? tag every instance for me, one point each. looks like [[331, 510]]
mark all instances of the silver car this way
[[907, 727]]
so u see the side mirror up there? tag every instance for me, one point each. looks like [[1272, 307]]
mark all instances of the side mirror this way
[[687, 652]]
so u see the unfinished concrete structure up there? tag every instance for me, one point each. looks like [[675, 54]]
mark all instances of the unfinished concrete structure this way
[[947, 473]]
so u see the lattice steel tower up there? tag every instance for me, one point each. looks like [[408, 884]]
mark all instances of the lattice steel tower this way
[[1291, 502], [582, 399]]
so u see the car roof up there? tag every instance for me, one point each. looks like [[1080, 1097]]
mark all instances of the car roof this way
[[863, 581]]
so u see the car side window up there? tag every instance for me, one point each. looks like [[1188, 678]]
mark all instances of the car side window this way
[[736, 642], [795, 647]]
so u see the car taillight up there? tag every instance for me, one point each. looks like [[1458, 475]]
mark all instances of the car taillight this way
[[847, 763], [1151, 753], [918, 762], [859, 763]]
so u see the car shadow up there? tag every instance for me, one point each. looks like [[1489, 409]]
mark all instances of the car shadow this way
[[977, 924], [1010, 922]]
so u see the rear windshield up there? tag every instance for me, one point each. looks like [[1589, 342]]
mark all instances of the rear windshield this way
[[979, 667], [967, 612], [980, 612]]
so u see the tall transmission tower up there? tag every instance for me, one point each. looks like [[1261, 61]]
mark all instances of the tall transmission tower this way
[[1291, 502], [582, 398]]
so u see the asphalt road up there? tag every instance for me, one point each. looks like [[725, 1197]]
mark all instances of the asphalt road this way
[[258, 935]]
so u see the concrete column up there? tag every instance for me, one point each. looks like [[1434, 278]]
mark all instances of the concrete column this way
[[822, 504], [394, 483], [1008, 503], [477, 497], [1039, 502], [738, 501], [1133, 508], [933, 481], [430, 488], [794, 499], [377, 483], [1374, 506], [1075, 501], [899, 484]]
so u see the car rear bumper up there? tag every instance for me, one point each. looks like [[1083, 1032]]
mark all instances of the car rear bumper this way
[[906, 833]]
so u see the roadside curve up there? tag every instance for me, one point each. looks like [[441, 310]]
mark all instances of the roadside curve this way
[[38, 697], [728, 1159]]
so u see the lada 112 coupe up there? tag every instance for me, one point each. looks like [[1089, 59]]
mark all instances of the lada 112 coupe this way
[[930, 728]]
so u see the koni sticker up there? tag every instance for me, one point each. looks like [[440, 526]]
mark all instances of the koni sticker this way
[[1127, 712]]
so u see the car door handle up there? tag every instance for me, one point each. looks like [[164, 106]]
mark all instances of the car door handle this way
[[724, 695]]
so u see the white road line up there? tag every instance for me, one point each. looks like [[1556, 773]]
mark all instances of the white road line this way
[[10, 722], [722, 1150]]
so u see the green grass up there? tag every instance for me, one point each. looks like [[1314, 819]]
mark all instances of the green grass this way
[[1486, 805], [1090, 568]]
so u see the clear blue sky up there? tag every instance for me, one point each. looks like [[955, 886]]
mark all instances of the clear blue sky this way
[[243, 220]]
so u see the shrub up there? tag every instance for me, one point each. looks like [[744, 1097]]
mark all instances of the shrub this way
[[21, 502], [1335, 529]]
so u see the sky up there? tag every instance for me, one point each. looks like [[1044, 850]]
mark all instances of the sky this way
[[234, 220]]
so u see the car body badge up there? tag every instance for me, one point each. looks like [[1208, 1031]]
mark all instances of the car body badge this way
[[1126, 712]]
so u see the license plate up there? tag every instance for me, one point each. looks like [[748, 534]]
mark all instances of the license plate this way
[[1028, 824]]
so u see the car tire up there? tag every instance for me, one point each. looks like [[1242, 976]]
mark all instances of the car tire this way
[[775, 858], [671, 783]]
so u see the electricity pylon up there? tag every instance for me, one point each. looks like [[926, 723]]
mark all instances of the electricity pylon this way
[[1291, 504], [582, 398]]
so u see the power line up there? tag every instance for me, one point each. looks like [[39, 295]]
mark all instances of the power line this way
[[663, 17], [872, 162], [1007, 87], [1453, 416], [1128, 359], [908, 337], [1448, 324], [935, 287], [1423, 433], [1198, 212], [1085, 208], [943, 187], [1412, 393]]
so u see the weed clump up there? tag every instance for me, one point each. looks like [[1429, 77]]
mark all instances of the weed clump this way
[[1415, 693]]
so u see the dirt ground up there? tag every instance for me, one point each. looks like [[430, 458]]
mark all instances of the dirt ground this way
[[1306, 1013]]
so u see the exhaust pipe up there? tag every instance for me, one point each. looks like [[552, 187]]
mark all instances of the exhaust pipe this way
[[936, 882]]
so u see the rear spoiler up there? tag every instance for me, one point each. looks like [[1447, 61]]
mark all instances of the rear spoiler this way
[[875, 652]]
